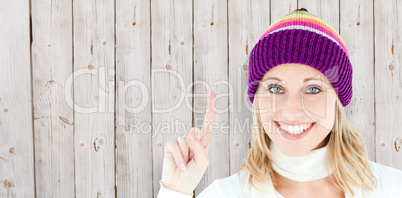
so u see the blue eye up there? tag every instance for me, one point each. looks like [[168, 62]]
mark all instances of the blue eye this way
[[274, 87], [314, 88], [277, 89]]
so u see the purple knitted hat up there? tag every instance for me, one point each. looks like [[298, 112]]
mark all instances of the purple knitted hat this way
[[300, 37]]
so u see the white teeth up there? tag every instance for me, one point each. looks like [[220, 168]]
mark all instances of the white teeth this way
[[295, 129]]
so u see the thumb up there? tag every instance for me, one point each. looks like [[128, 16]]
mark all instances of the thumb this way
[[200, 155]]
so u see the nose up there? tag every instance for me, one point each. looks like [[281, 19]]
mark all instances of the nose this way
[[293, 107]]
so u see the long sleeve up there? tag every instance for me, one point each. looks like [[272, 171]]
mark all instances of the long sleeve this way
[[166, 193], [220, 188], [228, 187], [389, 181]]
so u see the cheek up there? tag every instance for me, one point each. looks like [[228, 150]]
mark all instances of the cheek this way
[[266, 115], [321, 109], [317, 107], [266, 107]]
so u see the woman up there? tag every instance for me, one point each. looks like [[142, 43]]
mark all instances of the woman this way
[[300, 80]]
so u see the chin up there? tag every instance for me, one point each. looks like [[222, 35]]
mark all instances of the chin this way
[[294, 151]]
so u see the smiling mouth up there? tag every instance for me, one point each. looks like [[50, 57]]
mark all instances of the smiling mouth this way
[[294, 134]]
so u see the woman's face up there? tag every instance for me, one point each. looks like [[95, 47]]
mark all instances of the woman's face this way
[[297, 107]]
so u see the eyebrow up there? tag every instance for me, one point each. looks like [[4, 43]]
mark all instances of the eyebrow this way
[[305, 80]]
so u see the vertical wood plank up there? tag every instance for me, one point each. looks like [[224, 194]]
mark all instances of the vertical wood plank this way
[[247, 21], [326, 10], [388, 81], [211, 68], [16, 141], [94, 98], [280, 8], [53, 117], [133, 104], [356, 29], [172, 49]]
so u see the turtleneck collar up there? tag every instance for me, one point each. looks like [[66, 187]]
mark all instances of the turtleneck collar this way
[[308, 167]]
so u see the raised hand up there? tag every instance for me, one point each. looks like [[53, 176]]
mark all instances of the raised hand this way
[[186, 159]]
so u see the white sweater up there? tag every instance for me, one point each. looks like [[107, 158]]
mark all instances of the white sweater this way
[[389, 185]]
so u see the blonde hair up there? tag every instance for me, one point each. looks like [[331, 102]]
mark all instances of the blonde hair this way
[[346, 148]]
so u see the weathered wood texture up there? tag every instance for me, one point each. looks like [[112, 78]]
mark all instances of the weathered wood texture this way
[[90, 91], [94, 92], [16, 132], [133, 101], [52, 58], [210, 62], [388, 82]]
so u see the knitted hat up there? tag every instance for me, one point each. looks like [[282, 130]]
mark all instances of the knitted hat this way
[[300, 37]]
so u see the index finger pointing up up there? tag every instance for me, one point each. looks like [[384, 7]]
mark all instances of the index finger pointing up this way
[[210, 112]]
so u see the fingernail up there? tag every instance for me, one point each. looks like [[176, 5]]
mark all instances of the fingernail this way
[[191, 155], [196, 133], [183, 166], [191, 136], [182, 137]]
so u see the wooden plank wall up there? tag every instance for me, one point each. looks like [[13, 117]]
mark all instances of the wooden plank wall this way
[[90, 91], [133, 82], [52, 58], [172, 73], [17, 169], [388, 82], [210, 60], [94, 121]]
